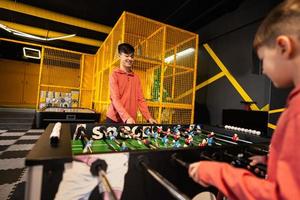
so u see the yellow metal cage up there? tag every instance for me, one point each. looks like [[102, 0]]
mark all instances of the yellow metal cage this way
[[165, 61], [65, 75]]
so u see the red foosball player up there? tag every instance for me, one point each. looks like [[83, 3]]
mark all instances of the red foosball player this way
[[212, 134], [203, 143], [235, 137], [159, 130], [168, 132], [188, 140]]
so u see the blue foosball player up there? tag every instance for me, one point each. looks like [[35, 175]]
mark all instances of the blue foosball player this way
[[210, 139], [176, 144], [165, 139], [155, 135], [124, 147], [147, 132]]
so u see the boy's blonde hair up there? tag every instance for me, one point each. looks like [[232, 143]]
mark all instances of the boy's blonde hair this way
[[282, 20]]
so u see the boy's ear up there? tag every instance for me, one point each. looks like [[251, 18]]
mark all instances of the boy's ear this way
[[285, 46]]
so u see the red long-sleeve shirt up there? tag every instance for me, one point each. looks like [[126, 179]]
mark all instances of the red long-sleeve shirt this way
[[126, 97], [283, 180]]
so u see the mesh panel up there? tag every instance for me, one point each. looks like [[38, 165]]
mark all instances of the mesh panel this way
[[61, 68]]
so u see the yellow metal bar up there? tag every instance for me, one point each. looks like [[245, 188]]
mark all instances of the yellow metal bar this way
[[123, 26], [159, 23], [173, 75], [38, 45], [184, 41], [201, 85], [155, 62], [50, 34], [231, 79], [40, 78], [265, 108], [272, 126], [21, 42], [147, 48], [102, 102], [194, 80], [152, 34], [53, 16], [93, 81], [81, 79], [111, 54], [100, 82], [60, 86], [173, 82], [170, 105], [71, 60], [181, 67], [162, 75], [179, 73], [276, 110]]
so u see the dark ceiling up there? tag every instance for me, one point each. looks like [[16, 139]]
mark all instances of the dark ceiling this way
[[187, 14]]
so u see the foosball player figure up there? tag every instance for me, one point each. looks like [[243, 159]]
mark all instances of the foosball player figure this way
[[176, 135], [190, 132], [210, 139], [176, 128], [155, 135], [176, 143], [165, 140], [198, 129], [188, 139], [168, 132], [159, 130], [176, 139], [235, 137], [124, 147], [112, 135], [203, 143], [147, 132]]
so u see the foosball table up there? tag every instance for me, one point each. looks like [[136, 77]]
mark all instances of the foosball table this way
[[140, 161]]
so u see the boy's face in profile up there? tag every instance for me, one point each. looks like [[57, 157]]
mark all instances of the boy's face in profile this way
[[126, 60], [276, 65]]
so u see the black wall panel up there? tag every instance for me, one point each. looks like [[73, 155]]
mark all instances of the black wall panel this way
[[231, 37]]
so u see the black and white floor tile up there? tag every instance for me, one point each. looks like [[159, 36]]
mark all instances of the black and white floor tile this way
[[14, 146]]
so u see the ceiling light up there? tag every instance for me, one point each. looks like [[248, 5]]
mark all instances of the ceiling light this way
[[180, 54], [31, 53], [26, 35]]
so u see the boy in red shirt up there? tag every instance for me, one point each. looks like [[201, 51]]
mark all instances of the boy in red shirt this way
[[125, 91], [277, 42]]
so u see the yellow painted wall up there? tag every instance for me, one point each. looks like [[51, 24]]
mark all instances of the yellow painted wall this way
[[18, 83]]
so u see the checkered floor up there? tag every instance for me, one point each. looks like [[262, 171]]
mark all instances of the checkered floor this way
[[14, 146]]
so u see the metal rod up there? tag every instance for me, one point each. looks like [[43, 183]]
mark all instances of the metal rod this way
[[179, 161], [229, 137], [164, 182], [107, 185]]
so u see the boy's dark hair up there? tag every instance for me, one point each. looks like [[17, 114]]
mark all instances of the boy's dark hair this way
[[284, 19], [125, 48]]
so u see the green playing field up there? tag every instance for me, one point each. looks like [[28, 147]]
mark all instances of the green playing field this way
[[106, 145]]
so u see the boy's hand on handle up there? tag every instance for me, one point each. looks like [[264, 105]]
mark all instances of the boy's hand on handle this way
[[255, 161], [258, 160], [152, 121], [130, 121], [194, 171]]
